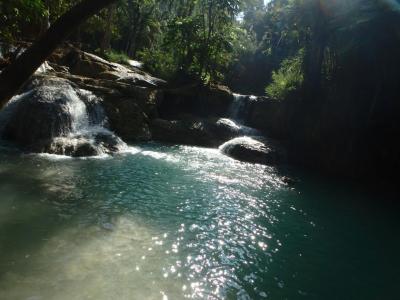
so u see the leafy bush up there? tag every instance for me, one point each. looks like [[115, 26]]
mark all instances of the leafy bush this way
[[18, 16], [117, 57], [288, 78], [158, 62]]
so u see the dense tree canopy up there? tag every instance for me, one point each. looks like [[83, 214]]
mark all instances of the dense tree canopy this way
[[248, 44], [333, 65]]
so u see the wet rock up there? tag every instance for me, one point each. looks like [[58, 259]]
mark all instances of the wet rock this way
[[82, 146], [55, 116], [271, 116], [191, 130], [74, 146], [188, 132], [127, 118], [3, 63], [127, 107], [229, 129], [89, 65], [39, 114], [196, 99], [254, 150]]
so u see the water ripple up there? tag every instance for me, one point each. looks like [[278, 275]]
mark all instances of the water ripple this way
[[157, 222]]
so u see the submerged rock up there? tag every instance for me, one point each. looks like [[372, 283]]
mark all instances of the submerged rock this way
[[254, 150], [94, 144]]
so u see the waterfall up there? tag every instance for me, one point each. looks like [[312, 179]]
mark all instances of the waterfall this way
[[88, 124], [78, 112], [238, 113], [54, 116], [239, 109], [236, 106]]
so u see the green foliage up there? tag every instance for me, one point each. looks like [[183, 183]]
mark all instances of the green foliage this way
[[117, 57], [195, 38], [200, 38], [160, 63], [19, 15], [288, 78]]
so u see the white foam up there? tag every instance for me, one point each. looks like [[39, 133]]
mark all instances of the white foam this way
[[130, 150], [153, 154], [135, 63]]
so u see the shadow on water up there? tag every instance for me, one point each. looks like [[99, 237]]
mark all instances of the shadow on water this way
[[349, 242], [233, 230], [26, 222], [40, 200]]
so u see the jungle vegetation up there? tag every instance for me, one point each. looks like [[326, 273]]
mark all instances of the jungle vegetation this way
[[336, 63]]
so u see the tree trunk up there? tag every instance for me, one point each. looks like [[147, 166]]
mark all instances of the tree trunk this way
[[314, 55], [15, 75], [106, 41]]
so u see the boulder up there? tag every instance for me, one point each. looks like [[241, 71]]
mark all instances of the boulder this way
[[55, 116], [127, 107], [127, 118], [83, 146], [188, 132], [272, 116], [228, 129], [191, 130], [254, 150], [39, 114]]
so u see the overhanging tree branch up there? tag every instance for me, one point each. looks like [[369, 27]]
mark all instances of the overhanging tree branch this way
[[15, 75]]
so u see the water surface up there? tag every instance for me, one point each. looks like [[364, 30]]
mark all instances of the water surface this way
[[176, 222]]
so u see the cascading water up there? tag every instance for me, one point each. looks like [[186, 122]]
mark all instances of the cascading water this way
[[87, 128], [56, 117], [238, 113], [249, 142], [236, 106], [240, 106]]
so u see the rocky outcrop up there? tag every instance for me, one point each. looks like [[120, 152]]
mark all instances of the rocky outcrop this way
[[190, 130], [254, 150], [38, 115], [89, 65], [271, 116], [187, 132], [127, 118], [196, 99], [125, 100], [128, 105], [128, 108], [127, 95], [55, 116], [96, 144]]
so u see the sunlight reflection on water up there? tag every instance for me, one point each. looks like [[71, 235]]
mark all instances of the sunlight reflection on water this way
[[155, 222]]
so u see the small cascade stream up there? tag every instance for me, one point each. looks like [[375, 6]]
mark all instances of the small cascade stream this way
[[250, 145], [239, 109], [88, 125], [238, 114], [70, 121]]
